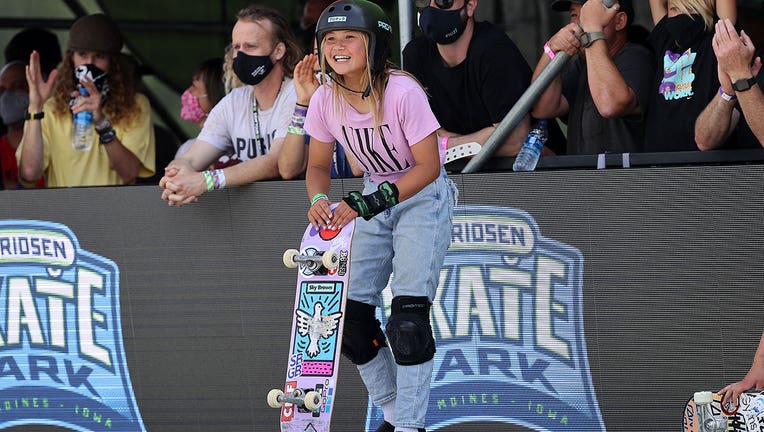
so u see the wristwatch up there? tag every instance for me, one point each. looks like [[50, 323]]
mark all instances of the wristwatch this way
[[588, 38], [744, 84]]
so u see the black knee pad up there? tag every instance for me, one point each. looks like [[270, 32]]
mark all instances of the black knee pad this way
[[409, 330], [362, 334]]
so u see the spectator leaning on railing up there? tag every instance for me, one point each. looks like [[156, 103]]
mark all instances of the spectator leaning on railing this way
[[605, 90], [472, 71], [251, 121]]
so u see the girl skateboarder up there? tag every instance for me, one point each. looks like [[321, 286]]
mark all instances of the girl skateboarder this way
[[382, 117]]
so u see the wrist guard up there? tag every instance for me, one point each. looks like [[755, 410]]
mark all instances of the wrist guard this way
[[368, 206]]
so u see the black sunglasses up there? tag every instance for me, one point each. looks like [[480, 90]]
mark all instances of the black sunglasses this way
[[441, 4]]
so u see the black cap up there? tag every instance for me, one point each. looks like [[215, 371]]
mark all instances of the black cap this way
[[97, 33], [625, 6]]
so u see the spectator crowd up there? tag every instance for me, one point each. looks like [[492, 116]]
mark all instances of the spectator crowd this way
[[693, 83], [269, 108]]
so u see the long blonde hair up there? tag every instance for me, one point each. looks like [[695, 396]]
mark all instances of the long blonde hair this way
[[705, 8]]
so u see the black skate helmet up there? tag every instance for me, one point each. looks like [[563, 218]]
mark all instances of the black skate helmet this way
[[360, 15]]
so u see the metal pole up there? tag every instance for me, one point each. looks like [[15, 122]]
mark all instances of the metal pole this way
[[521, 108], [405, 20], [517, 113]]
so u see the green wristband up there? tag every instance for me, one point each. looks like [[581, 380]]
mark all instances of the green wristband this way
[[318, 197]]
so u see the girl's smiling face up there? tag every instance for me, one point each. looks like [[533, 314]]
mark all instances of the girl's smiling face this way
[[345, 52]]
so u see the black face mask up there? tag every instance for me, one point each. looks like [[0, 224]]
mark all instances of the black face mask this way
[[95, 74], [252, 70], [442, 26], [686, 29]]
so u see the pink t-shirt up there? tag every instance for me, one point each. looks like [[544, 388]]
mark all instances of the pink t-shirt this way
[[407, 119]]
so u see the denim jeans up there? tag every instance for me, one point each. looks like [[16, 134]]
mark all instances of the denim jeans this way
[[409, 241]]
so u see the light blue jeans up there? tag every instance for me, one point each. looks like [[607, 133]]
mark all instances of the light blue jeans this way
[[410, 241]]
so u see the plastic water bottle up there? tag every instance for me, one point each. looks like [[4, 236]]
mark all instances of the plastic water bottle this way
[[82, 131], [707, 421], [528, 157]]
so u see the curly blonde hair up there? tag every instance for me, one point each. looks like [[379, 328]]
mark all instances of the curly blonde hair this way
[[229, 76], [120, 106]]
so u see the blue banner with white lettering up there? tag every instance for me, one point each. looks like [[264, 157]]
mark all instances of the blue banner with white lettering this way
[[62, 360], [508, 322]]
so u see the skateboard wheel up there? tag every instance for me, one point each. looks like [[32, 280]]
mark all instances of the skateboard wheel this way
[[330, 259], [273, 398], [703, 397], [312, 400], [288, 258]]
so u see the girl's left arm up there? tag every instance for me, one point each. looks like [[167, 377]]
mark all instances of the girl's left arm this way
[[318, 180]]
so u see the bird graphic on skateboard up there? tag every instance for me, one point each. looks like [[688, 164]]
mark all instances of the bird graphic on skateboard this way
[[323, 265]]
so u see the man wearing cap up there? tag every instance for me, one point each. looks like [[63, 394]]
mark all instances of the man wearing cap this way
[[471, 70], [122, 144], [604, 91]]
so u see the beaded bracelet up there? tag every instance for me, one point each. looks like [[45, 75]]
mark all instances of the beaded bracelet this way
[[214, 180], [208, 180], [297, 124]]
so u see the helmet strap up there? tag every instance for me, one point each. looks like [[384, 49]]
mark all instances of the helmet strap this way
[[364, 94]]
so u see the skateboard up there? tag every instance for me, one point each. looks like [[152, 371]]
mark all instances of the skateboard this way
[[323, 263], [704, 413]]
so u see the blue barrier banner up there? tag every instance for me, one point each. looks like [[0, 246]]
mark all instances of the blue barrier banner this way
[[62, 360], [508, 322]]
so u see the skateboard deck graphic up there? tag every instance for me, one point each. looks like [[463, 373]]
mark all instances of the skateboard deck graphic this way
[[323, 264], [749, 416]]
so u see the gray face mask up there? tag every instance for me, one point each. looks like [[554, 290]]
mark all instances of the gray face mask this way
[[13, 106]]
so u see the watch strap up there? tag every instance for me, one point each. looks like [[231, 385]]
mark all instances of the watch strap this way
[[744, 84], [587, 39]]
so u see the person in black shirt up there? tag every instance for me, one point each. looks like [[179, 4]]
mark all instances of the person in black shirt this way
[[472, 72], [686, 79]]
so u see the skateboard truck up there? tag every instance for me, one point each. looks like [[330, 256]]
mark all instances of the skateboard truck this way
[[707, 421], [317, 263], [310, 400]]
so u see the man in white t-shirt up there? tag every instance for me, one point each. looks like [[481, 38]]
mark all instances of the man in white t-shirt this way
[[251, 121]]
